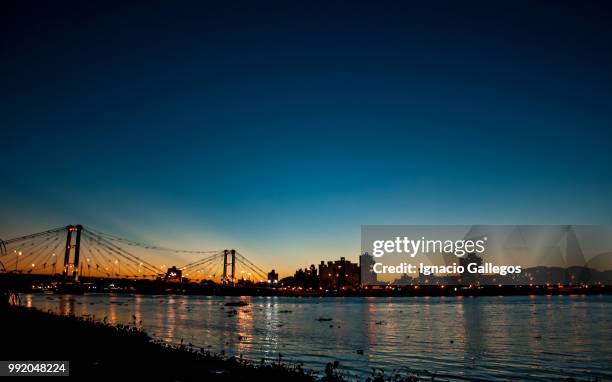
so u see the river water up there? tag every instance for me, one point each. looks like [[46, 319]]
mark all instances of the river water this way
[[485, 338]]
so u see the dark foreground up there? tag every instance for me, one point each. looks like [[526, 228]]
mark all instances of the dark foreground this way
[[98, 351], [105, 352]]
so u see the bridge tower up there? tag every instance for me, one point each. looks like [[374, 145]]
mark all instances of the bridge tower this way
[[77, 250], [225, 265]]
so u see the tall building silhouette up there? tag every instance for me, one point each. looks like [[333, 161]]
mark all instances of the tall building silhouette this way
[[367, 274], [338, 274]]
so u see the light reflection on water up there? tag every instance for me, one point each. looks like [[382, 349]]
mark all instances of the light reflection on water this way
[[488, 338]]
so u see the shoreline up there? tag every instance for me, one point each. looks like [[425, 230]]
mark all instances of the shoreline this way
[[101, 351], [36, 284]]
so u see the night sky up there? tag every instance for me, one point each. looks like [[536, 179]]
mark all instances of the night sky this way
[[280, 128]]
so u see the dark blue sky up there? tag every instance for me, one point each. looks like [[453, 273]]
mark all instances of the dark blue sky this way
[[281, 128]]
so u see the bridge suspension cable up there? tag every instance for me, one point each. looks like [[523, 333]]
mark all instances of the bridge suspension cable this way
[[252, 266], [30, 253], [33, 235], [197, 263], [120, 251], [99, 254], [145, 245], [108, 256]]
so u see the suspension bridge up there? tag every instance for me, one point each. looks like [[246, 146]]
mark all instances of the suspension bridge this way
[[76, 251]]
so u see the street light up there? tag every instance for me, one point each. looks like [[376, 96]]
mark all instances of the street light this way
[[17, 260]]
